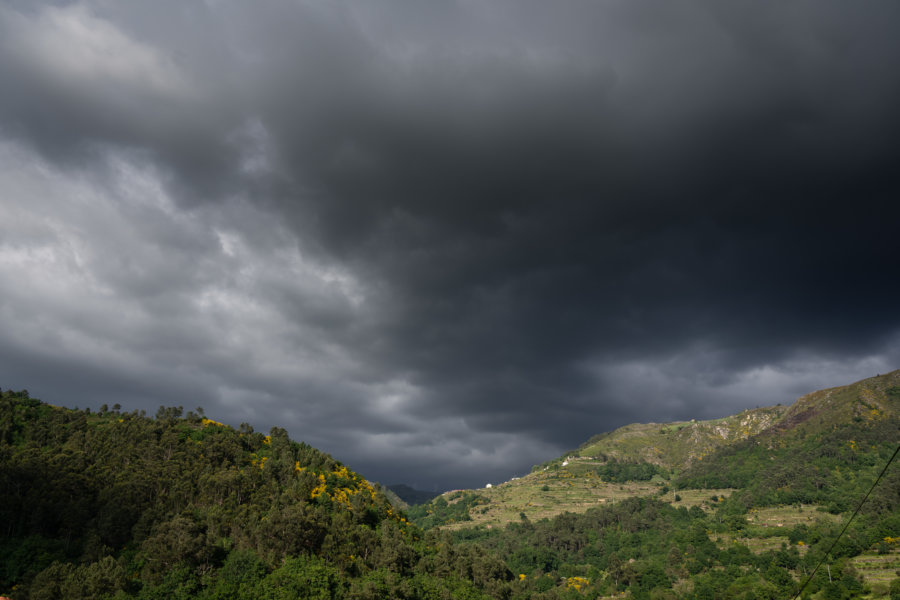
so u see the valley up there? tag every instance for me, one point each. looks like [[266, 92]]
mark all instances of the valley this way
[[748, 506]]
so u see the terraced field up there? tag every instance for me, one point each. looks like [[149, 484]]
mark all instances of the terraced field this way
[[788, 516], [878, 570], [572, 488], [764, 527], [757, 545]]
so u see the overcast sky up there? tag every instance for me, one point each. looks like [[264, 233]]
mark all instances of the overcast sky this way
[[446, 240]]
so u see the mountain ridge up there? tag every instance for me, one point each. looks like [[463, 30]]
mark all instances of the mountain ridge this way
[[867, 398], [719, 455]]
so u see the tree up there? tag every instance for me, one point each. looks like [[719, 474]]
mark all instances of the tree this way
[[179, 541], [239, 575], [301, 578]]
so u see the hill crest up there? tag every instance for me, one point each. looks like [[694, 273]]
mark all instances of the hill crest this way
[[802, 448], [678, 445]]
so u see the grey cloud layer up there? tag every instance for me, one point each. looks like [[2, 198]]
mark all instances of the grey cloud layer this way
[[467, 233]]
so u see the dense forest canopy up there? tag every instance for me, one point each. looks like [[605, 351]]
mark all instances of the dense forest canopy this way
[[118, 504]]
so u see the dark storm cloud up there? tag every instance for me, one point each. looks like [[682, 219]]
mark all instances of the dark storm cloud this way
[[447, 240]]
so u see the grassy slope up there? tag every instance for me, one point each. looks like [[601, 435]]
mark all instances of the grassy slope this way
[[677, 445], [505, 503], [829, 445], [827, 440], [869, 400], [570, 483]]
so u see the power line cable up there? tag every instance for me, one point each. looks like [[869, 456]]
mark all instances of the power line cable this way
[[847, 524]]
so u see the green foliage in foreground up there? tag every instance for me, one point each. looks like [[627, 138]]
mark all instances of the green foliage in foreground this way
[[120, 505]]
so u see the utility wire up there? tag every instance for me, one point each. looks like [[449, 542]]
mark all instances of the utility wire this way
[[846, 525]]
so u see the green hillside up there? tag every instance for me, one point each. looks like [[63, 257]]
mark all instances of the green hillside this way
[[781, 454], [678, 445], [120, 505], [825, 449], [768, 488]]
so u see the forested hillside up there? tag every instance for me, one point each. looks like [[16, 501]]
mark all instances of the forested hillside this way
[[116, 505]]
